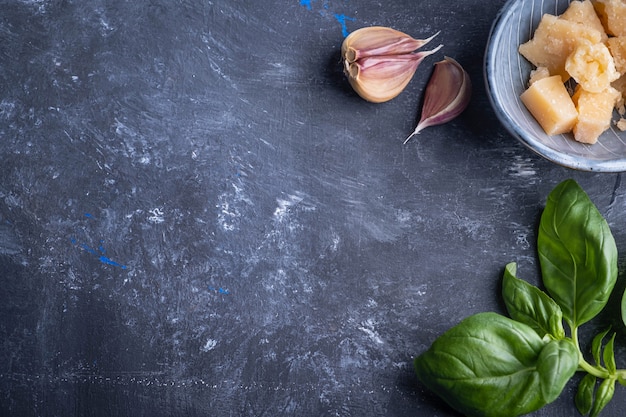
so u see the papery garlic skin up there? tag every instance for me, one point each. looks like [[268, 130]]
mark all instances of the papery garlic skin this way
[[380, 78], [379, 61], [379, 41], [447, 95]]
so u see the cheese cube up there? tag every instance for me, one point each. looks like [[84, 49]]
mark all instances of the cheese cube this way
[[549, 102], [595, 111]]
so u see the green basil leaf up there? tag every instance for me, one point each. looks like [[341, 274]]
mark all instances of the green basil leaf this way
[[609, 356], [621, 380], [577, 253], [556, 364], [604, 395], [528, 304], [596, 346], [489, 365], [584, 395], [624, 308]]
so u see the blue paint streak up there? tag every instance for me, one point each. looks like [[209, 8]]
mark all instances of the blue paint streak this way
[[342, 19], [108, 261], [219, 290], [101, 249], [87, 248], [325, 5], [88, 215]]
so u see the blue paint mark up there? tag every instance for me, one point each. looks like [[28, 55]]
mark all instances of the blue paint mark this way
[[87, 249], [219, 290], [342, 19], [99, 253], [325, 8], [108, 261]]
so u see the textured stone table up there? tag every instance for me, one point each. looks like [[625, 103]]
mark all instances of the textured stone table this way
[[199, 217]]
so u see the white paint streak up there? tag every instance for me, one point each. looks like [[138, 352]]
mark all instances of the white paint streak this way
[[336, 240], [522, 167], [156, 216], [368, 327], [284, 205], [227, 215], [228, 207], [209, 345]]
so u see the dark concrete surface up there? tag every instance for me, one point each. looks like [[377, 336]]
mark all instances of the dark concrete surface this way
[[199, 217]]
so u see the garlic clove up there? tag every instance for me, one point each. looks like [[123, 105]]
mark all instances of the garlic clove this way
[[447, 95], [379, 41], [380, 78], [380, 61]]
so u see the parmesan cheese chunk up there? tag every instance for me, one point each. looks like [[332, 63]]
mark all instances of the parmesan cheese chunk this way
[[549, 102], [554, 40], [612, 14], [584, 12], [595, 111], [592, 66]]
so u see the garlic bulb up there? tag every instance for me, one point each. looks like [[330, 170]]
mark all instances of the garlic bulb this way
[[448, 93], [379, 61]]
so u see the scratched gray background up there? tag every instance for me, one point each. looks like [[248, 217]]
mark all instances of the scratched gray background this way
[[199, 217]]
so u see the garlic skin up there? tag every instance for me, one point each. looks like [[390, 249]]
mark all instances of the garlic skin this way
[[379, 40], [379, 61], [447, 95]]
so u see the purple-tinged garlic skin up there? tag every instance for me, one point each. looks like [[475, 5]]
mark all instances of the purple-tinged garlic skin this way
[[379, 41], [447, 95], [379, 61]]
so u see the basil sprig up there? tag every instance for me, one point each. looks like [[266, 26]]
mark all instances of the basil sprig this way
[[490, 365]]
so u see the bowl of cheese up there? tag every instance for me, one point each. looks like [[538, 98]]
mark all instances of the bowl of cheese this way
[[555, 72]]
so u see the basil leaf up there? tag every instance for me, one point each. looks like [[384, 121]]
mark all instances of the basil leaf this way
[[489, 365], [577, 253], [596, 346], [609, 356], [528, 304], [624, 308], [556, 364], [603, 396], [584, 395]]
